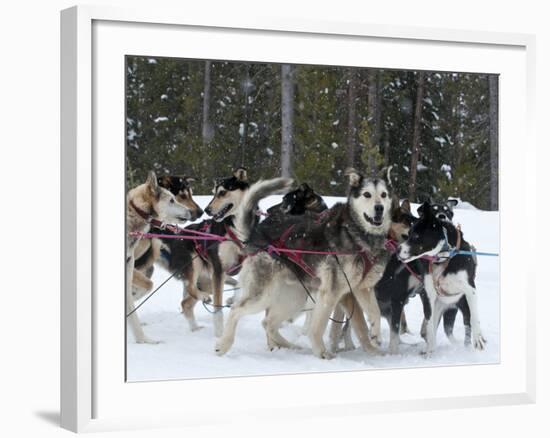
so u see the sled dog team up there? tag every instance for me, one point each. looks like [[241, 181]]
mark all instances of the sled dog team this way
[[366, 256]]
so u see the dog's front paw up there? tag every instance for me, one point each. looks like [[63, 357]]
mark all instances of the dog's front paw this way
[[222, 347], [394, 346], [427, 351], [479, 342], [327, 355], [376, 340], [323, 353], [146, 340]]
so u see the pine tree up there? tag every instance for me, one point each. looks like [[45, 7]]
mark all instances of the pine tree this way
[[438, 130]]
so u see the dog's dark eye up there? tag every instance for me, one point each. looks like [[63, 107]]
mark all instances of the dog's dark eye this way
[[404, 236], [367, 195], [222, 193], [172, 201], [384, 194]]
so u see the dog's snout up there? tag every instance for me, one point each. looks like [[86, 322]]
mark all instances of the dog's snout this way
[[441, 216], [402, 251], [379, 209], [398, 251], [208, 211], [199, 212]]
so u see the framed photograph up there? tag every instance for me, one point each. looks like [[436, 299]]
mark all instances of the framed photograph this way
[[250, 208]]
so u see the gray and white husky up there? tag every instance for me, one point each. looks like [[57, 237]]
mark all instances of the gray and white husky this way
[[356, 230]]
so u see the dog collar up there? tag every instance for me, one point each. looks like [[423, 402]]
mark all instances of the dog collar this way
[[146, 216]]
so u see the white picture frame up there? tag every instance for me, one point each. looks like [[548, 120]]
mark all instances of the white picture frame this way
[[93, 396]]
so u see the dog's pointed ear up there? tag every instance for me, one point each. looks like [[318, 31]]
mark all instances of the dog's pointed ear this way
[[452, 203], [241, 174], [394, 203], [406, 206], [355, 178], [163, 181], [425, 209], [388, 176], [423, 197], [152, 182], [186, 181], [385, 175]]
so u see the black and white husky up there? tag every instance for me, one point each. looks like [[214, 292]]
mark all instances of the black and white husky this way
[[441, 210], [446, 277], [298, 201], [444, 211]]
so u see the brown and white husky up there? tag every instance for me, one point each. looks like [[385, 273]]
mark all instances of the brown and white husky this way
[[147, 204]]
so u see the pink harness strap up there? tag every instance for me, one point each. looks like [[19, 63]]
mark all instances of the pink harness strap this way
[[294, 255], [170, 236], [321, 216], [391, 246], [233, 236], [200, 245], [235, 269]]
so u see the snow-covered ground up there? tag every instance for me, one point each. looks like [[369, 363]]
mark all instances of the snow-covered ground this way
[[183, 354]]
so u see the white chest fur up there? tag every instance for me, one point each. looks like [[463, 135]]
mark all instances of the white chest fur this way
[[229, 254], [452, 285]]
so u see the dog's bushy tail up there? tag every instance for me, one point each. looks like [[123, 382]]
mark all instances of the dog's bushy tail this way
[[247, 217]]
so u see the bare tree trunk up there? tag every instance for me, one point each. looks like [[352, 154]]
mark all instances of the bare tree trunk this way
[[377, 109], [287, 118], [207, 130], [243, 129], [493, 140], [374, 118], [352, 117], [416, 135], [459, 139], [386, 147]]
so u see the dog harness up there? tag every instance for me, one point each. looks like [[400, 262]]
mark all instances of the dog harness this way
[[201, 247], [279, 247], [444, 260], [322, 216], [147, 216], [295, 255], [451, 253], [235, 269]]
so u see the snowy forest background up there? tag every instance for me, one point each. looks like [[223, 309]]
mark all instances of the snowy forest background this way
[[203, 118]]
